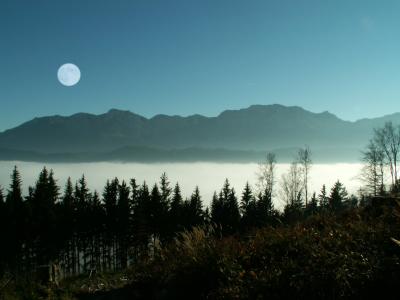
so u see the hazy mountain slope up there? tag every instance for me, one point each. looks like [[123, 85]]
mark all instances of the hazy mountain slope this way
[[258, 127]]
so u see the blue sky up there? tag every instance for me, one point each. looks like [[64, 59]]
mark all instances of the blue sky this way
[[185, 57]]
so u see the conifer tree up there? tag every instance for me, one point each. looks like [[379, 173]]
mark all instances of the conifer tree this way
[[16, 220], [163, 219], [298, 203], [265, 208], [165, 190], [44, 218], [96, 215], [225, 209], [123, 220], [312, 207], [68, 197], [14, 197], [246, 200], [82, 196], [323, 198], [133, 205], [134, 196], [196, 208], [233, 214], [248, 207], [110, 199], [54, 189], [69, 226], [338, 196], [123, 207], [176, 211], [216, 209], [82, 191], [141, 220], [156, 211]]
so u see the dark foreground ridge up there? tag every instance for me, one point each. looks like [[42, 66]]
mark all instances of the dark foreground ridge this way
[[350, 255]]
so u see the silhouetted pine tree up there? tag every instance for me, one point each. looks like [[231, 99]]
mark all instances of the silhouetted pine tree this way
[[165, 189], [134, 199], [233, 212], [323, 199], [247, 198], [216, 209], [156, 212], [265, 208], [96, 215], [69, 228], [141, 221], [293, 212], [16, 220], [225, 209], [110, 198], [163, 218], [196, 213], [133, 204], [248, 207], [337, 197], [82, 196], [44, 219], [312, 207], [176, 211], [123, 224]]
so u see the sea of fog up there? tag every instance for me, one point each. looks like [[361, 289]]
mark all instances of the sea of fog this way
[[208, 176]]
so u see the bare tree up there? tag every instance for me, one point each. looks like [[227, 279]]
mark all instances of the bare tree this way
[[266, 174], [292, 184], [304, 158], [388, 140], [372, 172]]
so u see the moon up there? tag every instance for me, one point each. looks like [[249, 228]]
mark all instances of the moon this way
[[69, 74]]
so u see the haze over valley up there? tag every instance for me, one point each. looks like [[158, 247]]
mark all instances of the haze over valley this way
[[209, 177]]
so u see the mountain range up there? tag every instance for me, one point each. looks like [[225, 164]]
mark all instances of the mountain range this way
[[233, 135]]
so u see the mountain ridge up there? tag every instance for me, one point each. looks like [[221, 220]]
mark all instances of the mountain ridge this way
[[255, 128], [119, 111]]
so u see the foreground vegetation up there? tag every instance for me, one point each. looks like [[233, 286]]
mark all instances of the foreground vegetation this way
[[320, 258], [324, 256], [136, 242]]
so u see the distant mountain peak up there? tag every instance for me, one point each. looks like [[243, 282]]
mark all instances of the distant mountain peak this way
[[118, 111], [269, 106]]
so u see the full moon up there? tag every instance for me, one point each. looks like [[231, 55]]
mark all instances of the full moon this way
[[69, 74]]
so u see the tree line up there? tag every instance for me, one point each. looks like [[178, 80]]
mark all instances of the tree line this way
[[83, 231]]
